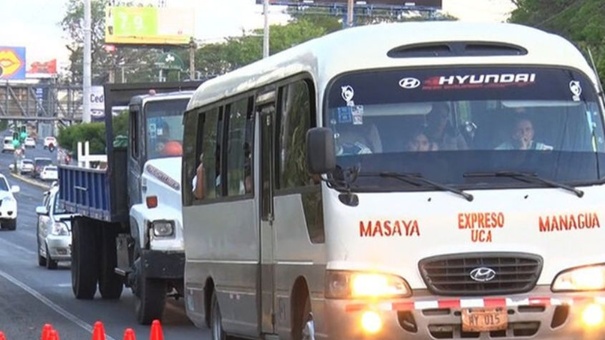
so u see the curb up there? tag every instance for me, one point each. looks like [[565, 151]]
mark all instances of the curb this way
[[31, 181]]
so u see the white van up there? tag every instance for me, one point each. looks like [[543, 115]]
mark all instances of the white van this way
[[419, 180], [8, 144]]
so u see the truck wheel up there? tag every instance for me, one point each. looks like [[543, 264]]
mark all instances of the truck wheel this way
[[84, 265], [110, 283], [149, 299]]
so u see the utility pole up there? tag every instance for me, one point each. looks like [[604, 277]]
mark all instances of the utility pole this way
[[266, 29], [192, 58], [350, 13], [86, 72]]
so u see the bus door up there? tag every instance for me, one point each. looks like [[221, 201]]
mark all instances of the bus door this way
[[136, 156], [266, 114]]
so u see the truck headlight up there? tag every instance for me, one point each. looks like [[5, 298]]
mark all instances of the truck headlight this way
[[59, 229], [350, 284], [579, 279], [162, 228]]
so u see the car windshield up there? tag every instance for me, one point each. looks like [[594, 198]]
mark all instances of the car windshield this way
[[57, 207], [3, 184], [164, 126], [43, 162], [446, 123]]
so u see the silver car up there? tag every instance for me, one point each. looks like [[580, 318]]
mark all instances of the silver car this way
[[54, 231]]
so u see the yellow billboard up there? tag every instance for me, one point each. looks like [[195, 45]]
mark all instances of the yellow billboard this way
[[148, 25]]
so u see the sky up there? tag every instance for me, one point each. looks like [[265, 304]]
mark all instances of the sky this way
[[35, 23]]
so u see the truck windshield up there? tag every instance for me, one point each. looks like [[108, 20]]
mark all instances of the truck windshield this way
[[448, 124], [165, 127]]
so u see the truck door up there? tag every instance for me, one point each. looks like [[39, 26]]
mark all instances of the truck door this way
[[136, 155], [266, 114]]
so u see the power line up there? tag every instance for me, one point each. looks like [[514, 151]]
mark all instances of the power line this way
[[567, 8]]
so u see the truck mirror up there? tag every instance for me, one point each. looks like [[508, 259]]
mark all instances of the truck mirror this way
[[321, 154]]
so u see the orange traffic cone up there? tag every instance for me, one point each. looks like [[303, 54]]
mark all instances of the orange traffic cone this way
[[98, 332], [129, 334], [2, 337], [46, 331], [53, 335], [156, 331]]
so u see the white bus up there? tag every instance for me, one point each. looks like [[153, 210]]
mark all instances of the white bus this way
[[427, 180]]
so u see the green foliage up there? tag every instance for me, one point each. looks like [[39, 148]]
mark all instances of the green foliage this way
[[580, 21], [94, 133]]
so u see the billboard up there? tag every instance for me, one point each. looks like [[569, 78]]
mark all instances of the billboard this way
[[436, 4], [149, 25], [12, 63], [43, 69], [97, 104]]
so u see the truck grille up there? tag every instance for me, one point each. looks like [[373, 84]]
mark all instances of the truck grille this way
[[453, 274]]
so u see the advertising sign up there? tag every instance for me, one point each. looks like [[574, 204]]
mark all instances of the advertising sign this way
[[436, 4], [149, 25], [43, 69], [12, 63], [97, 103]]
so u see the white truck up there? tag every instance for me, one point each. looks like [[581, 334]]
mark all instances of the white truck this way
[[128, 229]]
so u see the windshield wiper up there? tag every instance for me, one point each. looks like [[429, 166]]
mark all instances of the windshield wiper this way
[[526, 176], [415, 178]]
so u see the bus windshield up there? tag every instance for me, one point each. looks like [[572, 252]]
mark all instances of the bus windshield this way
[[450, 124], [164, 120]]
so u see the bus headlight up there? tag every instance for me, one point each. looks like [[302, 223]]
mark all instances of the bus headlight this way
[[578, 279], [349, 284], [162, 228]]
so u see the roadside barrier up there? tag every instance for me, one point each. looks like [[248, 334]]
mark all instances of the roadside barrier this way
[[98, 332]]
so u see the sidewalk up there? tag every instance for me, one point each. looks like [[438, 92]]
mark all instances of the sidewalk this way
[[31, 181]]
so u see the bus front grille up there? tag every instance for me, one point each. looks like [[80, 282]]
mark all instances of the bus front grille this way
[[481, 273]]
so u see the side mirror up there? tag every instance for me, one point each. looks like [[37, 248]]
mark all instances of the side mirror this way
[[15, 189], [321, 154], [41, 210]]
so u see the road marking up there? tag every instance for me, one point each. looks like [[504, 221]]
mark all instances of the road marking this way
[[25, 250], [83, 324]]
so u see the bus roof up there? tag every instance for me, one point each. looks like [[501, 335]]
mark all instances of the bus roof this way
[[161, 96], [366, 47]]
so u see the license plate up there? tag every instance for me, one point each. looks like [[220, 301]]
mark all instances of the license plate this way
[[484, 319]]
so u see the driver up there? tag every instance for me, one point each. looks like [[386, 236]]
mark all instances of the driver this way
[[356, 140]]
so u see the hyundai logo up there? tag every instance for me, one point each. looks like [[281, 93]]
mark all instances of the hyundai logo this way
[[409, 83], [483, 274]]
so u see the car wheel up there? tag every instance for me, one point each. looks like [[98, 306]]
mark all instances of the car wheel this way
[[41, 259], [10, 224], [50, 263]]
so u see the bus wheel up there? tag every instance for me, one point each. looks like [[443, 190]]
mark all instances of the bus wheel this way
[[216, 320], [84, 266], [304, 326]]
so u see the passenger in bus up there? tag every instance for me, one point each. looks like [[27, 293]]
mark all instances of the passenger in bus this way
[[441, 131], [522, 137], [357, 139], [418, 141]]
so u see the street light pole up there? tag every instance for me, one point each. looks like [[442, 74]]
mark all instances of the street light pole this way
[[350, 9], [86, 72], [266, 29]]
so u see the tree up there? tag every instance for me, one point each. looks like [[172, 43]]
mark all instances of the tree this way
[[580, 21]]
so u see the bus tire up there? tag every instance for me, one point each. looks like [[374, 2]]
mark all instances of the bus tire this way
[[303, 326], [84, 264], [110, 283], [216, 320], [150, 300]]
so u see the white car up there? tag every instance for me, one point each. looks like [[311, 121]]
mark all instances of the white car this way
[[8, 145], [54, 231], [48, 141], [25, 166], [8, 204], [29, 142], [49, 173]]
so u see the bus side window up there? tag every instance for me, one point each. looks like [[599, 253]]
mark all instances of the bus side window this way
[[296, 116], [238, 148], [210, 156]]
